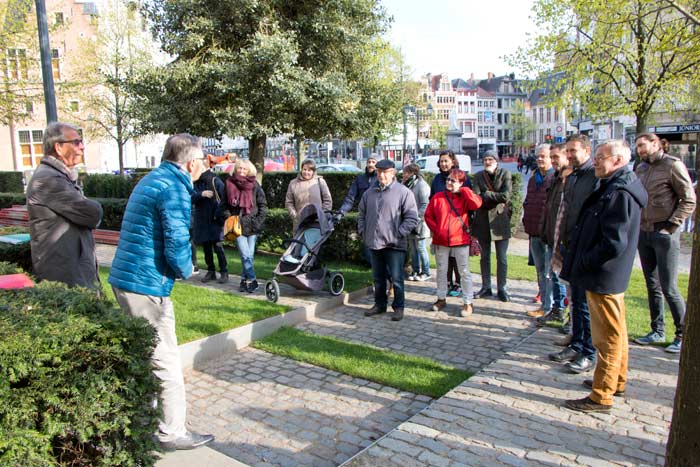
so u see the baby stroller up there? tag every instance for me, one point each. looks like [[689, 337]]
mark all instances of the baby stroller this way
[[300, 265]]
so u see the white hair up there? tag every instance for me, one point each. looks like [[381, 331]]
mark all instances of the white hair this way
[[542, 147], [618, 148]]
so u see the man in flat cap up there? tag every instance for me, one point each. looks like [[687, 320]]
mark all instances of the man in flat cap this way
[[388, 214]]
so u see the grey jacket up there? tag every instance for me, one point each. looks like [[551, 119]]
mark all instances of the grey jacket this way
[[387, 216], [421, 193], [61, 220]]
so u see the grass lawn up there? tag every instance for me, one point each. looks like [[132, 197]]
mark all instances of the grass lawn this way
[[405, 372], [356, 276], [201, 312]]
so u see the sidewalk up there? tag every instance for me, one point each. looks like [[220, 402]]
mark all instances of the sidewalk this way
[[268, 410]]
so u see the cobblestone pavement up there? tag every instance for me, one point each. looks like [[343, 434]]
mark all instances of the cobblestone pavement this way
[[511, 414]]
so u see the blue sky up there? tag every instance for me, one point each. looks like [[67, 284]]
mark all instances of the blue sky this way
[[459, 36]]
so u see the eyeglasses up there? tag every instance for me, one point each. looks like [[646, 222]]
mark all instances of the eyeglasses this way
[[74, 142], [601, 158], [452, 180]]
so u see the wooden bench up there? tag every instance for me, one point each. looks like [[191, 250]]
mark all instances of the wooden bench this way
[[18, 216]]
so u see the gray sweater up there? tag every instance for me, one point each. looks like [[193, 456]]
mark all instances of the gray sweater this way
[[387, 216]]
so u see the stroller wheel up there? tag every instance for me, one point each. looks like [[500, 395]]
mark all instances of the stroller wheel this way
[[336, 283], [272, 290]]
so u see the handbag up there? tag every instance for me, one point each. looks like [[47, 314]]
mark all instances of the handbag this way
[[232, 228], [474, 247]]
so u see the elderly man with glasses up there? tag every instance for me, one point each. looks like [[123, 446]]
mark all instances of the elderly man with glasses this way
[[61, 219]]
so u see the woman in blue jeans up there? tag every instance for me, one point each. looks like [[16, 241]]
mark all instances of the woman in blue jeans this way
[[246, 199]]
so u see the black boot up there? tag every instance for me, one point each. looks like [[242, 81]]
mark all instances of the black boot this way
[[483, 292], [209, 276], [223, 278], [244, 286], [253, 286]]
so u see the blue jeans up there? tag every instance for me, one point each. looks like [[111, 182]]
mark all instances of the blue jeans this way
[[420, 261], [551, 290], [659, 256], [246, 247], [581, 322], [387, 264]]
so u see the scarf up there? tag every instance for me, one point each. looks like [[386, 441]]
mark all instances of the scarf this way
[[241, 192], [411, 181]]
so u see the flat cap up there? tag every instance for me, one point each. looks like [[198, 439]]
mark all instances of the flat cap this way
[[385, 164]]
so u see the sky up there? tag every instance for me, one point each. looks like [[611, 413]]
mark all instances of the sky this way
[[459, 37]]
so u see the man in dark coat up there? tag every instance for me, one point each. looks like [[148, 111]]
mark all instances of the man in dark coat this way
[[601, 254], [492, 223], [580, 354], [208, 200], [61, 219], [361, 183]]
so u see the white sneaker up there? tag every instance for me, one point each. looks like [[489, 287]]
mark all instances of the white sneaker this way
[[424, 277], [413, 277]]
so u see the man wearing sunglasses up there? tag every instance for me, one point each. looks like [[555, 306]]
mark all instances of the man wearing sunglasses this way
[[61, 219]]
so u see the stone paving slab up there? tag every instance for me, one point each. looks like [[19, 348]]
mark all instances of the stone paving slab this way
[[466, 343], [270, 410], [511, 414]]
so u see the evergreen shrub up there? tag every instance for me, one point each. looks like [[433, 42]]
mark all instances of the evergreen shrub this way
[[7, 200], [107, 185], [11, 182], [76, 381], [20, 255]]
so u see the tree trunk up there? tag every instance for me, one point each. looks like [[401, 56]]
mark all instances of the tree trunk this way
[[120, 148], [683, 447], [256, 153]]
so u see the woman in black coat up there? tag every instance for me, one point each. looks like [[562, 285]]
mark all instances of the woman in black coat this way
[[207, 199], [246, 199]]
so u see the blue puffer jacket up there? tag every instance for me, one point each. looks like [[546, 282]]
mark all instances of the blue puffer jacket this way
[[154, 243]]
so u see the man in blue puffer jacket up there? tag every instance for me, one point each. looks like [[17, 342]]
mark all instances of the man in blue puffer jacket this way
[[154, 250]]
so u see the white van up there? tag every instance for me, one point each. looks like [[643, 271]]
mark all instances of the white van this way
[[430, 163]]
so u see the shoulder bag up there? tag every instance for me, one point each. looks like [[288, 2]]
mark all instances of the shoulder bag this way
[[474, 247]]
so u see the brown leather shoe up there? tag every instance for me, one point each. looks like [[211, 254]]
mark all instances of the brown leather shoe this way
[[466, 310], [586, 405], [438, 305], [535, 313]]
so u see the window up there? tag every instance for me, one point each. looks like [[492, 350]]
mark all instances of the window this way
[[499, 118], [481, 132], [16, 64], [506, 119], [480, 117], [500, 135], [556, 114], [31, 147], [492, 104], [500, 103], [534, 115], [74, 106], [492, 131], [549, 114], [59, 18], [29, 107], [55, 64], [541, 114], [541, 140]]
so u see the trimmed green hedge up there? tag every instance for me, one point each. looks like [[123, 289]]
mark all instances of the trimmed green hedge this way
[[107, 185], [517, 203], [76, 381], [7, 200], [20, 255], [11, 182]]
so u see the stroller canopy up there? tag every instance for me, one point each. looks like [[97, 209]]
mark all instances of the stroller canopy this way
[[312, 214]]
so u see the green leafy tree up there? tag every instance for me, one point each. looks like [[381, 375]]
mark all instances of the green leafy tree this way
[[521, 126], [106, 62], [621, 57], [267, 67]]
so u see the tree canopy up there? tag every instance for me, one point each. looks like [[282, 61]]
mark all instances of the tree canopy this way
[[620, 57], [264, 67]]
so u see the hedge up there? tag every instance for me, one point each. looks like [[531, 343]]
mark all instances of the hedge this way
[[76, 381], [7, 200], [11, 182], [20, 255]]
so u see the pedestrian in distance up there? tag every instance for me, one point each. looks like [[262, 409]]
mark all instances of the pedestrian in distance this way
[[307, 188], [246, 199], [387, 215], [446, 162], [153, 251], [420, 261], [671, 201], [447, 217], [579, 356], [492, 223], [61, 218], [601, 254], [208, 201]]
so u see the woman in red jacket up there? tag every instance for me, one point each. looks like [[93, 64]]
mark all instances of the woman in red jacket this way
[[447, 217]]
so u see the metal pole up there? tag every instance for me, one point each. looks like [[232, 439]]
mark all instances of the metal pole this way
[[403, 154], [46, 72], [415, 150]]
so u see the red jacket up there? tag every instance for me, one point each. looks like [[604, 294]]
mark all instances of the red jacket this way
[[445, 226]]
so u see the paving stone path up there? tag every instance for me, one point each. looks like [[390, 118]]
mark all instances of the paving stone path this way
[[268, 410]]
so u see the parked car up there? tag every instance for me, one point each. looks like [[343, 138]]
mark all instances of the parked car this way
[[337, 168], [430, 163]]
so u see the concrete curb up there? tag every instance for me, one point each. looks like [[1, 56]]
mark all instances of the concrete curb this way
[[196, 353]]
